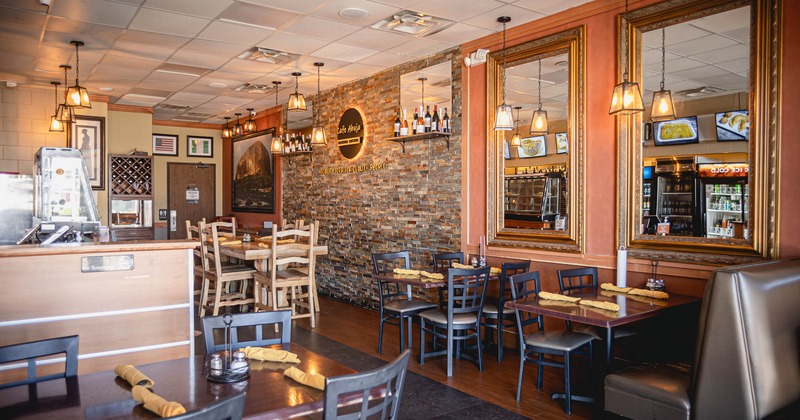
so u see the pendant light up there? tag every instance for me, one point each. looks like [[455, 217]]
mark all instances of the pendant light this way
[[65, 113], [78, 96], [539, 121], [662, 108], [627, 98], [238, 128], [296, 100], [55, 124], [226, 132], [318, 132], [276, 146], [250, 123], [276, 83], [503, 119], [516, 140]]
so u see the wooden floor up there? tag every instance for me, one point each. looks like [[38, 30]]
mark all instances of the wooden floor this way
[[497, 383]]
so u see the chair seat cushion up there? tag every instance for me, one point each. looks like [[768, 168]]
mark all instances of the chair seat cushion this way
[[600, 333], [566, 341], [490, 309], [653, 392], [408, 306], [440, 317]]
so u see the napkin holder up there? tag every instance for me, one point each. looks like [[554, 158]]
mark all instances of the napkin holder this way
[[227, 366]]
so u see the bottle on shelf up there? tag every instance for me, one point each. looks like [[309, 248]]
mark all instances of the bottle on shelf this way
[[435, 119], [397, 124], [421, 128], [404, 125], [445, 122], [427, 120], [414, 122]]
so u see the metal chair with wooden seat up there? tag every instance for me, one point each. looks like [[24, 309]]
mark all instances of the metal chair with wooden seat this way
[[220, 276], [497, 316], [229, 408], [291, 268]]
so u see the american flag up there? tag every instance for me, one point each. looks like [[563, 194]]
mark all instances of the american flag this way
[[164, 144]]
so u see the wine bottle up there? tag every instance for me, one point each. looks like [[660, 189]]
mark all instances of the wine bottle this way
[[435, 119], [414, 122], [445, 122], [427, 118], [421, 123], [397, 124], [404, 126]]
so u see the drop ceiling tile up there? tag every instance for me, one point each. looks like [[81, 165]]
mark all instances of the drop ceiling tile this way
[[337, 51], [168, 23], [741, 65], [234, 33], [33, 6], [21, 35], [305, 65], [673, 66], [701, 45], [653, 56], [321, 28], [152, 38], [190, 58], [375, 11], [722, 78], [15, 62], [192, 98], [120, 61], [297, 44], [742, 35], [722, 55], [171, 77], [27, 19], [162, 86], [456, 10], [96, 11], [419, 48], [110, 72], [83, 28], [228, 101], [548, 7], [376, 39], [256, 15], [304, 6], [673, 35], [26, 48], [200, 8], [93, 46], [518, 16], [222, 49], [357, 70], [238, 65], [387, 59], [725, 21], [230, 77], [700, 72], [136, 51], [458, 33]]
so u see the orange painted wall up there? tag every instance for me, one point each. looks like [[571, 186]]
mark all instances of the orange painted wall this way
[[790, 133]]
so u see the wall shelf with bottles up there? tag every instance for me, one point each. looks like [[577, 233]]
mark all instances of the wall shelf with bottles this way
[[423, 136]]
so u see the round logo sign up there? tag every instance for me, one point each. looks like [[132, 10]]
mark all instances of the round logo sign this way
[[350, 136]]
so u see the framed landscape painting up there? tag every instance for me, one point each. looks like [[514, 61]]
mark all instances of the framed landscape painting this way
[[253, 167]]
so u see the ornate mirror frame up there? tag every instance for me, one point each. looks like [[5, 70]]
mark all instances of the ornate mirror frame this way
[[764, 105], [571, 42]]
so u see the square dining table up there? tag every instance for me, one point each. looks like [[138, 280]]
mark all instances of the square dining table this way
[[103, 395]]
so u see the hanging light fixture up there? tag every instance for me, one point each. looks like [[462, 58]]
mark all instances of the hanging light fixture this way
[[503, 119], [226, 132], [250, 123], [662, 109], [296, 100], [276, 83], [55, 124], [78, 96], [276, 146], [539, 121], [516, 140], [318, 132], [627, 98], [65, 113], [238, 128]]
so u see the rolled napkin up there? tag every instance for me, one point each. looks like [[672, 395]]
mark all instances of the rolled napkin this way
[[313, 380], [461, 266], [269, 355], [263, 245], [558, 303], [155, 403], [438, 276], [264, 238], [649, 293], [406, 272], [495, 271], [613, 288], [557, 296], [600, 304], [133, 376]]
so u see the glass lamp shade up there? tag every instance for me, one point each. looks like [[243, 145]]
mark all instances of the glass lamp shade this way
[[504, 120], [65, 114], [539, 122], [627, 99], [55, 124], [238, 129], [249, 126], [516, 140], [297, 102], [226, 132], [276, 147], [78, 97], [663, 107], [318, 135]]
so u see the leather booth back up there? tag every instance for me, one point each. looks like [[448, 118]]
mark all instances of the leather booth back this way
[[747, 362]]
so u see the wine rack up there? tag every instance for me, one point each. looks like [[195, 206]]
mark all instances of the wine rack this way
[[130, 197], [131, 176]]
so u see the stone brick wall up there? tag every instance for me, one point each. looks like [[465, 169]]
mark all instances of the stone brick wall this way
[[414, 203]]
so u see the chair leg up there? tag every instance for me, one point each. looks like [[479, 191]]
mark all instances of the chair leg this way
[[217, 298], [540, 374], [422, 341], [567, 388], [500, 322], [311, 309], [521, 369], [480, 350], [204, 297], [380, 332], [401, 327], [449, 352], [410, 335]]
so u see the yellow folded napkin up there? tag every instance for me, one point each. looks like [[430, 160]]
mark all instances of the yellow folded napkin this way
[[269, 355], [313, 380], [264, 238], [557, 296], [155, 403], [600, 304], [285, 241], [406, 272], [462, 266], [649, 293], [495, 271], [558, 303], [237, 242], [263, 245], [133, 376], [613, 288], [438, 276]]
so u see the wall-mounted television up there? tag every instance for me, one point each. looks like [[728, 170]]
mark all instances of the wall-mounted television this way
[[732, 125], [678, 131]]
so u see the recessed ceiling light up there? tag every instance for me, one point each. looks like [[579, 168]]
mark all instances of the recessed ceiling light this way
[[562, 63], [353, 13], [217, 85], [107, 89]]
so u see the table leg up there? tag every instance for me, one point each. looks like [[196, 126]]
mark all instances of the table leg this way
[[609, 348]]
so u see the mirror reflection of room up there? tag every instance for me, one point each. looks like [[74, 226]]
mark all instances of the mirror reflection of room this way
[[421, 99], [696, 162]]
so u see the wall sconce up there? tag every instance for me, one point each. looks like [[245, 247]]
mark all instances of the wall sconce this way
[[55, 124], [78, 96], [296, 100], [662, 108], [503, 119], [250, 123], [627, 98], [318, 132]]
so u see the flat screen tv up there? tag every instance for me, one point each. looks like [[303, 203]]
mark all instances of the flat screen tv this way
[[678, 131], [732, 125]]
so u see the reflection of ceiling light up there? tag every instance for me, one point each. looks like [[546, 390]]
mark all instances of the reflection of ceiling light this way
[[253, 88], [562, 63], [106, 89], [353, 13], [217, 85], [266, 55], [701, 91], [413, 23]]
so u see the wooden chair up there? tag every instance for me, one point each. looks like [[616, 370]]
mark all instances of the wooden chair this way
[[388, 380], [35, 349], [220, 276], [497, 316], [193, 234], [229, 408], [315, 227], [291, 269], [253, 325]]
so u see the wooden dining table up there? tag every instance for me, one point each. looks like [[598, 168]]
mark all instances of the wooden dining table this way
[[103, 395], [252, 251]]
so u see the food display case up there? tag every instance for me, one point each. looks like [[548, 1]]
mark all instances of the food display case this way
[[726, 195], [532, 198]]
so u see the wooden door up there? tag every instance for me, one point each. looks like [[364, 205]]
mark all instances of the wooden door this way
[[191, 193]]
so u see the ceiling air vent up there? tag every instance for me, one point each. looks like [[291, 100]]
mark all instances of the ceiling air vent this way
[[168, 107], [266, 55], [254, 88], [413, 23], [701, 91]]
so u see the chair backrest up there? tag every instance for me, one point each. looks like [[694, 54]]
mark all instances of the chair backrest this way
[[229, 408], [227, 229], [525, 286], [213, 257], [577, 279], [508, 269], [747, 363], [311, 226], [466, 291], [195, 233], [247, 325], [299, 253], [386, 262], [442, 262], [32, 350], [387, 380], [290, 224]]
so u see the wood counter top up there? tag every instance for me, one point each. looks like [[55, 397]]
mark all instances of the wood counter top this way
[[92, 247]]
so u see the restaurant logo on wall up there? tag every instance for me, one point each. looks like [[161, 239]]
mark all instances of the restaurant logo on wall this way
[[351, 133]]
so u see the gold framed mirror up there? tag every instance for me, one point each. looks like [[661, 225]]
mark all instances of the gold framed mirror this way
[[535, 189], [701, 186]]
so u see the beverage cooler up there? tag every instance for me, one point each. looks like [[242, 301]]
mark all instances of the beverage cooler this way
[[676, 201], [647, 190], [725, 199]]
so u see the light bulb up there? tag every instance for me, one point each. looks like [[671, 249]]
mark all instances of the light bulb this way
[[627, 99], [539, 123], [318, 136], [75, 97], [663, 107]]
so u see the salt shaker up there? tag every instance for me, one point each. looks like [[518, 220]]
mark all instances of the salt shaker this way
[[239, 364], [215, 365], [474, 262]]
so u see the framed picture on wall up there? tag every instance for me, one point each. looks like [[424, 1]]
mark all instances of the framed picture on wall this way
[[199, 146], [253, 176], [561, 143], [506, 150], [88, 136], [532, 147], [165, 144]]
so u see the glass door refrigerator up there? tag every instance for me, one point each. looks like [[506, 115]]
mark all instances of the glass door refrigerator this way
[[725, 199], [647, 190], [675, 197]]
